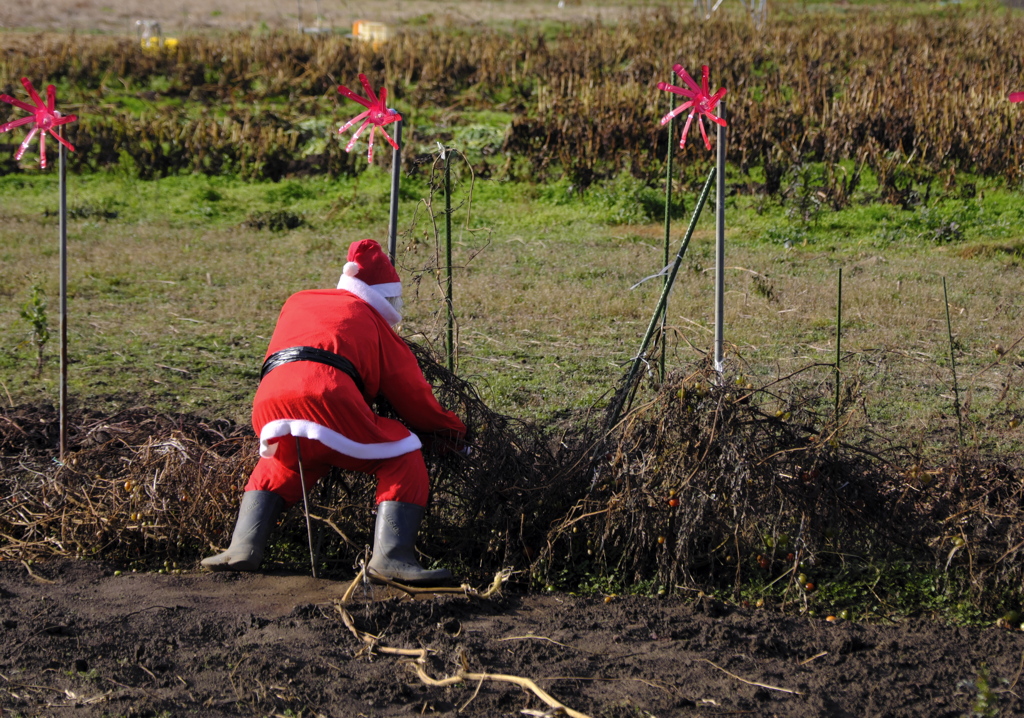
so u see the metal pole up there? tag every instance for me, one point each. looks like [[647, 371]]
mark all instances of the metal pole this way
[[720, 244], [839, 337], [952, 365], [305, 506], [396, 177], [450, 336], [668, 229], [63, 296]]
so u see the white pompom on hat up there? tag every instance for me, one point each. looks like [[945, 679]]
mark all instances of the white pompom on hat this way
[[369, 274]]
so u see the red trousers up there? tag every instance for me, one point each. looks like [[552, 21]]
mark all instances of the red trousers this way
[[403, 478]]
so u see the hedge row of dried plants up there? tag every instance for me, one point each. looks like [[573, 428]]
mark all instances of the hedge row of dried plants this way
[[700, 485], [861, 87]]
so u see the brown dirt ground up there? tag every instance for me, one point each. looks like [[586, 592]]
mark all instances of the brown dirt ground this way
[[76, 639]]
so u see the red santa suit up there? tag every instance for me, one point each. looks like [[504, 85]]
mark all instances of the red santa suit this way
[[324, 407]]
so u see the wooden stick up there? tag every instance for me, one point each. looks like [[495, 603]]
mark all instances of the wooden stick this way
[[517, 680], [465, 589], [371, 640], [305, 506], [347, 596], [338, 531], [33, 574], [420, 654], [813, 658], [479, 685], [530, 635], [752, 683], [10, 400], [952, 364]]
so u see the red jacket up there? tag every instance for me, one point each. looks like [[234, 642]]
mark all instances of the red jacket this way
[[315, 401]]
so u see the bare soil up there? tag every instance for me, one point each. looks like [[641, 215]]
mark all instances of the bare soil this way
[[77, 639]]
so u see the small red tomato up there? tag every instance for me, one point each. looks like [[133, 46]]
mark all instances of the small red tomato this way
[[673, 502], [790, 557], [809, 586]]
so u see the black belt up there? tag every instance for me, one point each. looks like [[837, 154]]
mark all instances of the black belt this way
[[320, 356]]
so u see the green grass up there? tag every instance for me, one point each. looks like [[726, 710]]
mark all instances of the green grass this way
[[172, 296]]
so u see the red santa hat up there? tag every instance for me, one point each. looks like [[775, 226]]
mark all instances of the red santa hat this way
[[369, 275]]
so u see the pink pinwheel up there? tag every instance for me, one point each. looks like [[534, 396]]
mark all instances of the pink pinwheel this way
[[1017, 97], [376, 116], [44, 115], [701, 101]]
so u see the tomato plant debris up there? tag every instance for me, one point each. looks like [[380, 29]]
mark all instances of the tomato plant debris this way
[[702, 486]]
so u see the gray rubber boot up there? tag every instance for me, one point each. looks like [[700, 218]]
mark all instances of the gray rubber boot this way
[[256, 517], [394, 537]]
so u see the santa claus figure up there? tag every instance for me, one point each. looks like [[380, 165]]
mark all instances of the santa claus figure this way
[[333, 351]]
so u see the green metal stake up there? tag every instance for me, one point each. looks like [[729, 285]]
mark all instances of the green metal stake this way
[[839, 336], [63, 438], [617, 407], [450, 336], [668, 229], [720, 248], [952, 363], [396, 178]]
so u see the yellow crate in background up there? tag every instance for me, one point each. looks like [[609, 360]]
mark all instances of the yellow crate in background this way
[[370, 31]]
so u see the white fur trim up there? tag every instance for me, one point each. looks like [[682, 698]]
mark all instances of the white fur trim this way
[[388, 289], [333, 440], [350, 269], [370, 295]]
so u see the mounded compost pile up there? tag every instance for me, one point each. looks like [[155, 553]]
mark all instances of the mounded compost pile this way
[[701, 485], [149, 488]]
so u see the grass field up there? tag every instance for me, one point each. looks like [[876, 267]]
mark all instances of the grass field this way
[[172, 300]]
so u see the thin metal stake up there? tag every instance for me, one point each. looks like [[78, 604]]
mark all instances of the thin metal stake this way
[[839, 337], [305, 506], [63, 297], [450, 307], [952, 363], [720, 245], [396, 177], [668, 228]]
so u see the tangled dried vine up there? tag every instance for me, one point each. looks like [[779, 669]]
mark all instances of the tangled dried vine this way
[[703, 484]]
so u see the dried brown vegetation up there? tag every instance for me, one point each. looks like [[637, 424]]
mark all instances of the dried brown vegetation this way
[[704, 484], [926, 87], [140, 486], [700, 486]]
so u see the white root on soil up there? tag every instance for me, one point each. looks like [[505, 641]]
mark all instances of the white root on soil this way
[[370, 643], [752, 683]]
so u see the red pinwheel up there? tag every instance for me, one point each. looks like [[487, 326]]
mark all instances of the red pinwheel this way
[[376, 116], [1017, 97], [701, 101], [44, 115]]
